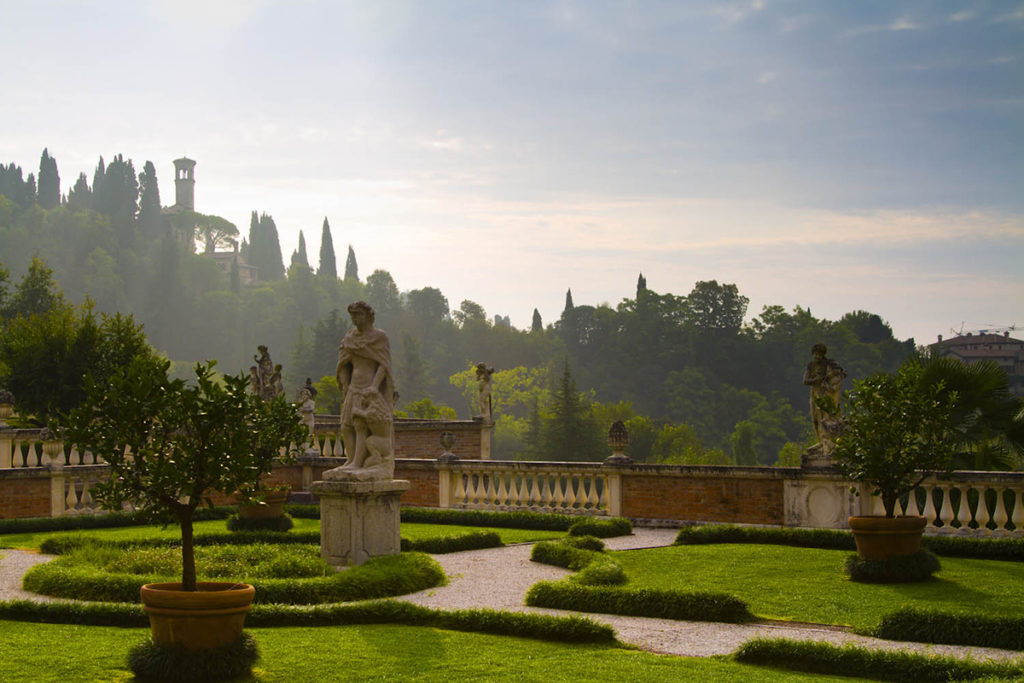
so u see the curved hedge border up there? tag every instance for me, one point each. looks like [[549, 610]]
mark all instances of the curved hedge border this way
[[928, 626], [639, 602], [63, 543], [602, 527], [1011, 549], [882, 665], [542, 626], [378, 578]]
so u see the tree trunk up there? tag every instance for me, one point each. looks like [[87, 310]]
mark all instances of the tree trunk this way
[[188, 555]]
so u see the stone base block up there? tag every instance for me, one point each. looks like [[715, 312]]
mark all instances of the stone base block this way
[[359, 519]]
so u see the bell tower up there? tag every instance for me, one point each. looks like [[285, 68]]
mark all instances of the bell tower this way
[[185, 184]]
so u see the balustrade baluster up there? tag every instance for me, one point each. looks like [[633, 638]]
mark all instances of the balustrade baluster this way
[[71, 500], [516, 492], [544, 490], [929, 506], [877, 505], [501, 493], [559, 500], [460, 488], [570, 491], [1018, 511], [963, 514], [981, 514], [999, 517], [593, 501], [85, 502], [946, 512]]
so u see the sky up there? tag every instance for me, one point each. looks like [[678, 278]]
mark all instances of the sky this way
[[835, 156]]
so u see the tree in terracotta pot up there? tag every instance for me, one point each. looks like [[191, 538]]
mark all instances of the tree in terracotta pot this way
[[170, 446], [897, 432]]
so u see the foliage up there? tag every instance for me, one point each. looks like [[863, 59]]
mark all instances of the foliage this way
[[438, 545], [585, 542], [48, 358], [170, 446], [639, 602], [904, 569], [514, 520], [280, 523], [932, 626], [562, 555], [102, 521], [424, 409], [177, 664], [897, 433], [601, 527], [803, 538], [881, 665]]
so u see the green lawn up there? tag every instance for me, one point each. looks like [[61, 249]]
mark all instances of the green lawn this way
[[372, 653], [410, 531], [807, 584]]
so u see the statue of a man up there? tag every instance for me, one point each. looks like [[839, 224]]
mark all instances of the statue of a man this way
[[483, 383], [367, 390], [825, 378]]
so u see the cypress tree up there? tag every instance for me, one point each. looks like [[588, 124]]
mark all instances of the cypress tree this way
[[568, 302], [538, 325], [351, 267], [99, 176], [641, 285], [49, 182], [328, 262], [149, 202], [273, 265], [236, 278], [80, 196], [299, 255]]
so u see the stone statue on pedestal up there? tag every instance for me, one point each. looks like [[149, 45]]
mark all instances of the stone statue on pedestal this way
[[825, 378], [367, 410], [265, 377], [483, 398]]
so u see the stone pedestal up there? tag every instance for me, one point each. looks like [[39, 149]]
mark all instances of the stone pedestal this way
[[359, 519]]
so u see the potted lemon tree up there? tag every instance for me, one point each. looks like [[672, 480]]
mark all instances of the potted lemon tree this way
[[171, 445], [897, 432]]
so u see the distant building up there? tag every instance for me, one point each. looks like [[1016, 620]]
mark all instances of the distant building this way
[[185, 200], [1007, 352]]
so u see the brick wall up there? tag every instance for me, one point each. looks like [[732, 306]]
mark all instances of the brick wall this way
[[24, 493], [423, 482], [724, 499], [422, 439]]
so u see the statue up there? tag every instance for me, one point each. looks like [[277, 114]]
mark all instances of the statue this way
[[306, 398], [483, 397], [265, 377], [367, 390], [825, 378]]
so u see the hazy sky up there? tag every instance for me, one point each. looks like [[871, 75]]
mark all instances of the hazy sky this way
[[837, 156]]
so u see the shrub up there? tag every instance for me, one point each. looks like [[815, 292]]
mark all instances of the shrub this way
[[501, 520], [279, 524], [926, 626], [882, 665], [453, 544], [105, 521], [639, 602], [1011, 549], [602, 528], [917, 567], [176, 664], [585, 543], [601, 573], [62, 544]]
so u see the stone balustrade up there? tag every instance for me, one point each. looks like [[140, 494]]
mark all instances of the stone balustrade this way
[[40, 478]]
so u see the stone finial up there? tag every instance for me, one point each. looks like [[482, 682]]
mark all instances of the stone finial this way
[[447, 442], [618, 440]]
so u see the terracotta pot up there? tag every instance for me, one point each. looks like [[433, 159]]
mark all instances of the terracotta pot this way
[[879, 538], [271, 506], [207, 618]]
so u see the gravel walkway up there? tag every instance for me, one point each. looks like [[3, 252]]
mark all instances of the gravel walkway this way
[[498, 578]]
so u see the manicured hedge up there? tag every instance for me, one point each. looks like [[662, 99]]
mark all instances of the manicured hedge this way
[[882, 665], [176, 664], [438, 545], [491, 518], [639, 602], [917, 567], [281, 523], [602, 527], [562, 555], [105, 521], [928, 626], [1011, 549], [542, 626], [380, 577]]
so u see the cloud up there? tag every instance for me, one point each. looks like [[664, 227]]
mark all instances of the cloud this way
[[210, 16]]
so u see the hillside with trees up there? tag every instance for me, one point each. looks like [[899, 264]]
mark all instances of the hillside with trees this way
[[695, 379]]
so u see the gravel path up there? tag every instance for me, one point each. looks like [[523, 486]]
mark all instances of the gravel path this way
[[498, 578]]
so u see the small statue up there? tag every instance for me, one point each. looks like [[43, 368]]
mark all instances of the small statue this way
[[368, 393], [306, 398], [483, 397], [265, 377], [825, 378]]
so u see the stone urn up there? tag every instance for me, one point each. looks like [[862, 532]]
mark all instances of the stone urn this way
[[204, 619], [882, 538], [618, 441]]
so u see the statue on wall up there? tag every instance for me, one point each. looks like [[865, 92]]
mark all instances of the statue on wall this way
[[306, 399], [483, 397], [367, 390], [825, 378], [265, 377]]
